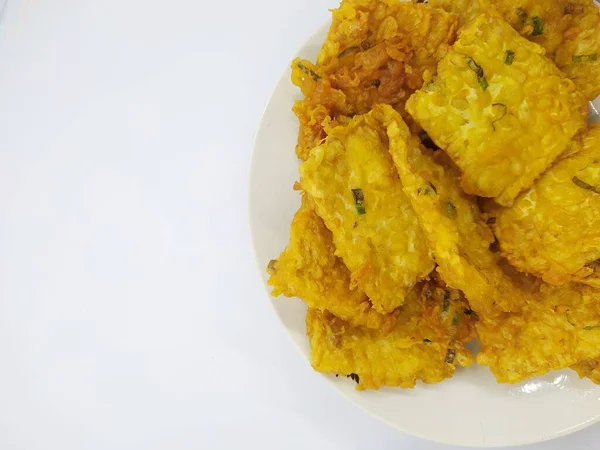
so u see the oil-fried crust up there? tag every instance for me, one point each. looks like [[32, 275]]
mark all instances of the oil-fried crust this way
[[309, 269], [453, 226], [376, 51], [380, 210], [358, 193], [445, 312], [502, 123], [553, 230], [588, 369], [558, 328], [375, 359], [434, 312], [569, 31]]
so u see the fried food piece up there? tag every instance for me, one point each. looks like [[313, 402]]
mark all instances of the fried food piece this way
[[500, 109], [376, 51], [315, 111], [588, 369], [553, 230], [569, 31], [467, 9], [434, 312], [386, 45], [559, 327], [309, 269], [578, 55], [374, 359], [445, 312], [453, 225], [357, 192]]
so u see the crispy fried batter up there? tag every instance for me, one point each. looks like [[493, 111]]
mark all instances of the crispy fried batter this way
[[309, 269], [453, 225], [376, 51], [382, 208], [502, 124], [553, 230], [466, 9], [569, 31], [588, 369], [559, 327], [357, 192], [445, 311], [434, 312], [315, 111], [376, 359]]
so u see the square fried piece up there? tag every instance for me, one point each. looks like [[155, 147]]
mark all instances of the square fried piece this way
[[352, 179], [375, 359], [500, 109], [553, 229], [558, 328], [453, 225]]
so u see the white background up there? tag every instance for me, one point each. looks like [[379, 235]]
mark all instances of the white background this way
[[131, 312]]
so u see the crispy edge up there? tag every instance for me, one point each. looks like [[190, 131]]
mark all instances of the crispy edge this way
[[309, 269], [374, 359], [559, 327]]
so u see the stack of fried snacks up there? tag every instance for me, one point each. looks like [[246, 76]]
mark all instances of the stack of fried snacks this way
[[450, 191]]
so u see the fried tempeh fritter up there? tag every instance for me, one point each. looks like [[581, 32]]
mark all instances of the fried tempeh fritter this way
[[358, 193], [500, 109], [375, 359], [553, 229], [453, 226], [376, 51], [309, 269], [569, 31], [559, 327]]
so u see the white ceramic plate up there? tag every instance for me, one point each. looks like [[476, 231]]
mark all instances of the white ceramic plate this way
[[471, 409]]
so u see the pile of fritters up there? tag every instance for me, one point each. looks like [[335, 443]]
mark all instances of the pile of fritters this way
[[450, 191]]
